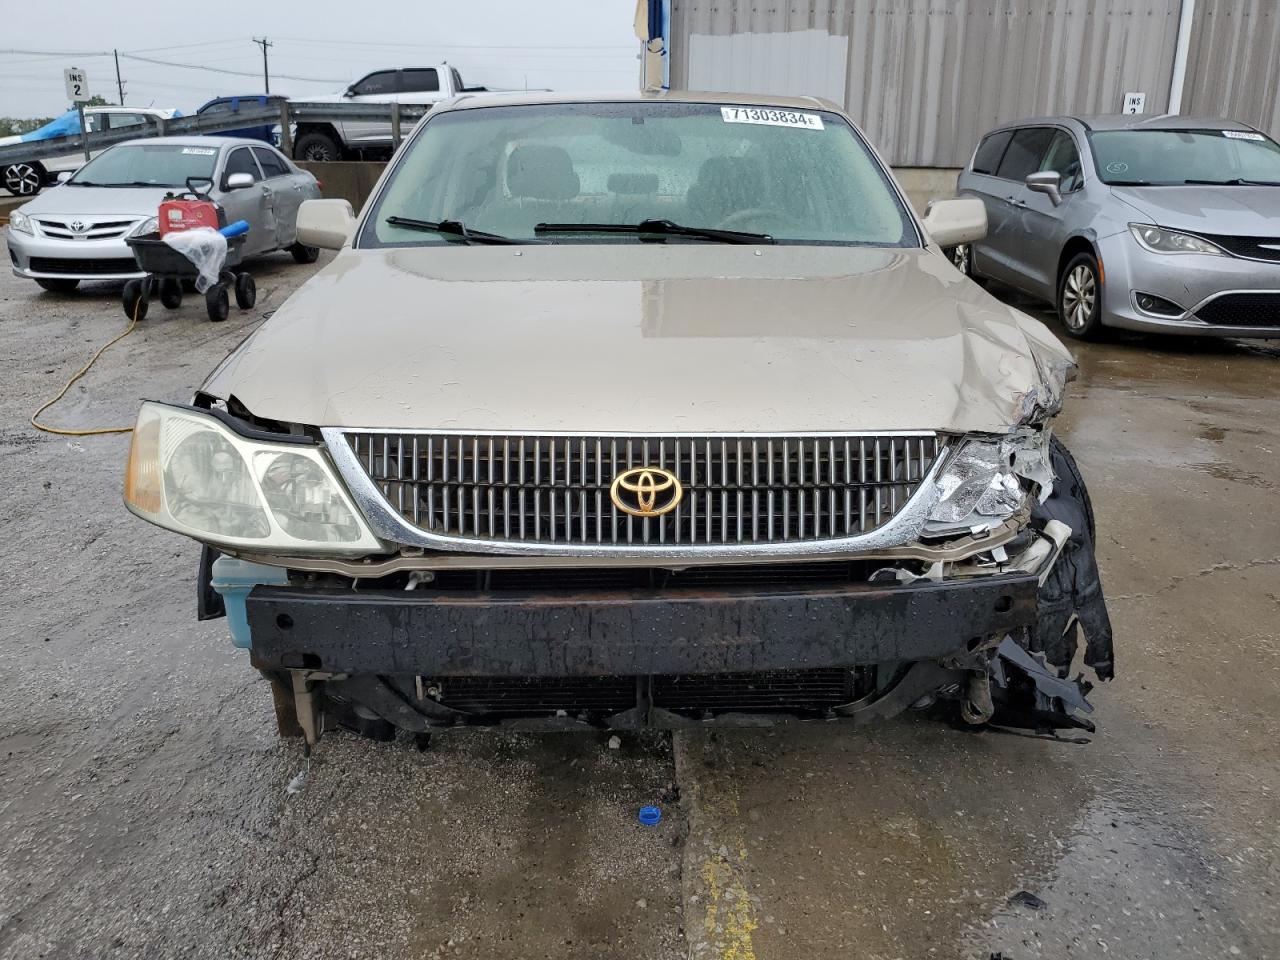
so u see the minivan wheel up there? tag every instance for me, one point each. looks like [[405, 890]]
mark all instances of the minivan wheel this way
[[1080, 298], [23, 179]]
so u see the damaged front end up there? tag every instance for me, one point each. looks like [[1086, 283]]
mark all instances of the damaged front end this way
[[979, 607]]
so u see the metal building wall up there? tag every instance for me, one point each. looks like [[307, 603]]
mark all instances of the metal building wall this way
[[925, 78], [1233, 66]]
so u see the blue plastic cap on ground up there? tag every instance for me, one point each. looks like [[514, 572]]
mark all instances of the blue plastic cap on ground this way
[[650, 816]]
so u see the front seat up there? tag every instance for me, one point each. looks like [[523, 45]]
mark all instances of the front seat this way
[[540, 179], [724, 186]]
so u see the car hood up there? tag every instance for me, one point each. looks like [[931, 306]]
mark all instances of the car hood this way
[[650, 338], [66, 200], [1241, 211]]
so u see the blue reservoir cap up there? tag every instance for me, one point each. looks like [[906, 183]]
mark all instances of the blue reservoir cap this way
[[650, 816]]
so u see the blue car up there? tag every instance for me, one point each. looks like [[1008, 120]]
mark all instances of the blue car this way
[[263, 132]]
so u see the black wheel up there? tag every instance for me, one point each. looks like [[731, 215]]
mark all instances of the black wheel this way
[[304, 254], [246, 291], [24, 179], [217, 302], [961, 257], [135, 299], [58, 284], [317, 147], [171, 294], [1080, 298]]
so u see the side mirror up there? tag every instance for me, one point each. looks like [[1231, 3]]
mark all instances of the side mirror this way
[[239, 181], [1048, 182], [65, 175], [327, 224], [953, 222], [350, 91]]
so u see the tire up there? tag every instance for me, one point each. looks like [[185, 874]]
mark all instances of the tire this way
[[303, 254], [1080, 298], [135, 299], [171, 294], [23, 179], [217, 302], [316, 147], [58, 284], [246, 291]]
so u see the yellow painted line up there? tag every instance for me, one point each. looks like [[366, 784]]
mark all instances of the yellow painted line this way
[[730, 917]]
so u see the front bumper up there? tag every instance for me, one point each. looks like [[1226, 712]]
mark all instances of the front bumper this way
[[1189, 280], [630, 633], [36, 257]]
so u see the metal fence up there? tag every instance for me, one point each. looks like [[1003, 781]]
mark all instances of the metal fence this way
[[399, 117]]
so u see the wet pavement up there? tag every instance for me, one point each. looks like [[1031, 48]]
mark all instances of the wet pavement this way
[[149, 810]]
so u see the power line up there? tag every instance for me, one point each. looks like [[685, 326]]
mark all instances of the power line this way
[[233, 73], [463, 46]]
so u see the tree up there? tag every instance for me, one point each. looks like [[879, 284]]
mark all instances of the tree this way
[[17, 126]]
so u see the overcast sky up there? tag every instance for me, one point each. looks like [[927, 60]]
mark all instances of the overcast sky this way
[[561, 44]]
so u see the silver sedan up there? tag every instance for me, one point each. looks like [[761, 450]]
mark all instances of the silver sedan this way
[[77, 230], [1167, 224]]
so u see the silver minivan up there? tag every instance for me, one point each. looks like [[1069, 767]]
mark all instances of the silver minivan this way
[[1166, 224]]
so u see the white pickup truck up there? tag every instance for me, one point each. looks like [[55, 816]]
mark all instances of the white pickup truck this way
[[371, 139]]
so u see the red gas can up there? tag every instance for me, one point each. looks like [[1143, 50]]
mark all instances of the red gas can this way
[[177, 215]]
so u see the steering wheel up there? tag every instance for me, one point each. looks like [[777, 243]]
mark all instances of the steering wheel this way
[[752, 217]]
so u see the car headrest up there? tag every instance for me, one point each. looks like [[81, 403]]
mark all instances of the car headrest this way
[[541, 172]]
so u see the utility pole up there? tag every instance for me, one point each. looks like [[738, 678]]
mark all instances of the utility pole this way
[[119, 82], [266, 77]]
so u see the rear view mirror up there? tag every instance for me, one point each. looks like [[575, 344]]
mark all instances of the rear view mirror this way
[[1048, 182], [327, 224], [238, 181], [952, 222]]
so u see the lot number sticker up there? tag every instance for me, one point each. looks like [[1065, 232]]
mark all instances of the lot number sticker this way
[[771, 117], [199, 151], [1242, 135]]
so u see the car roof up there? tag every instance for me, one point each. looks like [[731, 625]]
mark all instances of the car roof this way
[[492, 99], [114, 109], [243, 96], [195, 141], [1129, 121]]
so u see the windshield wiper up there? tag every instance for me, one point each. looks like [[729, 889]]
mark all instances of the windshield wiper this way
[[454, 228], [1235, 182], [657, 228]]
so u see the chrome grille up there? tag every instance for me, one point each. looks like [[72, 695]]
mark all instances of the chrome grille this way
[[555, 489], [90, 229]]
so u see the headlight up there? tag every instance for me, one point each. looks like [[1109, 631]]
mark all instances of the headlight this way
[[1160, 240], [982, 486], [190, 473], [19, 222], [150, 225]]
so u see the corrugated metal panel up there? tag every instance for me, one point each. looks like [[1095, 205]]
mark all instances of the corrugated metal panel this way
[[925, 78], [1233, 67]]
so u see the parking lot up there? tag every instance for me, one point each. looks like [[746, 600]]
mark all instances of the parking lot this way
[[149, 810]]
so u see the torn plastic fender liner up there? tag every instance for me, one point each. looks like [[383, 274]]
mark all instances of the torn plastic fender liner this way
[[1071, 597]]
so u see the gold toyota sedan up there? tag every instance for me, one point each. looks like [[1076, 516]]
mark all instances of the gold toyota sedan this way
[[615, 411]]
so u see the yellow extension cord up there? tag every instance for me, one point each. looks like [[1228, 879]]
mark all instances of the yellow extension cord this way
[[96, 431]]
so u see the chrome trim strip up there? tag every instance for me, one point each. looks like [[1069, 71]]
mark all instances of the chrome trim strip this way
[[1189, 318], [902, 528]]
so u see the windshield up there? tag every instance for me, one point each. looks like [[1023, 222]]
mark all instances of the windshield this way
[[801, 177], [1179, 157], [147, 164]]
